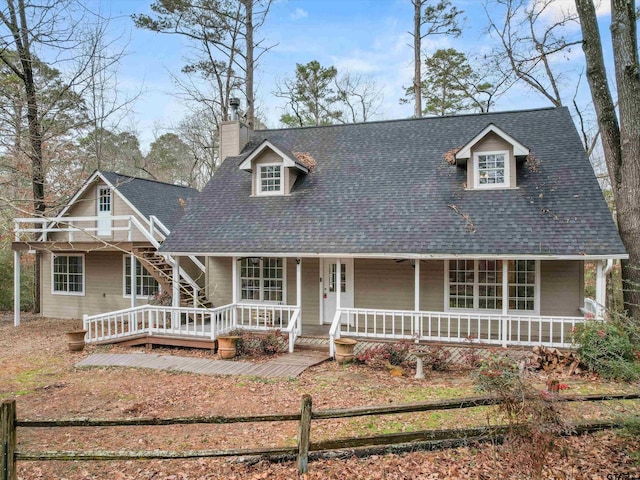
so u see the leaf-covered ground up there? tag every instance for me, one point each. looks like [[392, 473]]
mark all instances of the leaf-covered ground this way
[[37, 370]]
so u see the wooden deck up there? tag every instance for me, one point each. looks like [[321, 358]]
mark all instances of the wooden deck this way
[[285, 366]]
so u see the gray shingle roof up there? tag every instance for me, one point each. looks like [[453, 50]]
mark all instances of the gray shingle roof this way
[[384, 187], [152, 197]]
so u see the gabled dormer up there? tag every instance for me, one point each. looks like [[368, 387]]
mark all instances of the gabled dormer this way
[[274, 169], [491, 158]]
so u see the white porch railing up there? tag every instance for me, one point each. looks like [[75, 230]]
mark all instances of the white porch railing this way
[[453, 327], [206, 323]]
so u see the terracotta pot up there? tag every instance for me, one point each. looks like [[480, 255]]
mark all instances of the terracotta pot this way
[[227, 346], [75, 340], [344, 349]]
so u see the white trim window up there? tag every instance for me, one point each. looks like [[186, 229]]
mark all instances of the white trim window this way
[[477, 285], [146, 285], [263, 279], [270, 179], [491, 169], [67, 274]]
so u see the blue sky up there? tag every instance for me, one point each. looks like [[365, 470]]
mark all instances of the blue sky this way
[[364, 36]]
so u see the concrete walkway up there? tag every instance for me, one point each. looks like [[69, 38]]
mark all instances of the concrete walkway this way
[[285, 366]]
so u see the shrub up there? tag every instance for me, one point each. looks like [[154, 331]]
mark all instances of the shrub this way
[[437, 358], [607, 349], [496, 374], [251, 344], [396, 353]]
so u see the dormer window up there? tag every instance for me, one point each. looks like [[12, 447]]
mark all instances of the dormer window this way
[[491, 169], [270, 179]]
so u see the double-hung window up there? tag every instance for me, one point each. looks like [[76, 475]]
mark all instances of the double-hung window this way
[[491, 169], [68, 274], [262, 279], [146, 285], [270, 181], [477, 285]]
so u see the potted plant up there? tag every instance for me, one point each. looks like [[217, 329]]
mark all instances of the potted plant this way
[[75, 340], [227, 346], [344, 349]]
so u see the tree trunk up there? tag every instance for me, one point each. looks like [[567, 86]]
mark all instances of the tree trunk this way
[[417, 71], [248, 9], [621, 143]]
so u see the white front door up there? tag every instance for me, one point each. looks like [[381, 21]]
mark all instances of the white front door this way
[[330, 286], [104, 211]]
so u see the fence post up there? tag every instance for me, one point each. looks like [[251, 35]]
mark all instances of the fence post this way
[[304, 434], [8, 440]]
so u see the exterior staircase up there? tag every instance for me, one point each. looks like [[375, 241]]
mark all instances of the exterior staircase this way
[[162, 271]]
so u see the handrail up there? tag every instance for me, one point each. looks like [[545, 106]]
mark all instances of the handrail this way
[[292, 329], [334, 331]]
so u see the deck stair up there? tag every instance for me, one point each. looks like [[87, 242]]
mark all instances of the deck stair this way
[[162, 271]]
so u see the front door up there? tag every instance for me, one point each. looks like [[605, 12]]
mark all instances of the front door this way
[[330, 286], [104, 211]]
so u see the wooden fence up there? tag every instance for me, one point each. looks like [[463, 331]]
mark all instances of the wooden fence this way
[[451, 437]]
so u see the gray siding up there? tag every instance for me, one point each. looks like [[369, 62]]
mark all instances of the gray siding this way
[[562, 287]]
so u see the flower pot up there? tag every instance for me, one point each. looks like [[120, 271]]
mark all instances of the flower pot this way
[[227, 346], [75, 340], [344, 349]]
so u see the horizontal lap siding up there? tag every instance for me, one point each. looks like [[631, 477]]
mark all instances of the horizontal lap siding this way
[[103, 288], [562, 287], [384, 284], [310, 291], [219, 284]]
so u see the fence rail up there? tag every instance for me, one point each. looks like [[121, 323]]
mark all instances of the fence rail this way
[[10, 454]]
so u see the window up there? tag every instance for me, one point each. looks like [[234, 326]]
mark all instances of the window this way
[[491, 169], [262, 279], [269, 179], [477, 285], [146, 285], [68, 274], [343, 277]]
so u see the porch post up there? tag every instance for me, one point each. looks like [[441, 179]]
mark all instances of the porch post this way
[[601, 288], [16, 288], [417, 331], [134, 280], [338, 282], [299, 292], [505, 302], [234, 288], [175, 297]]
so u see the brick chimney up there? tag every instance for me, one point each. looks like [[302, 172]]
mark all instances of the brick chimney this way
[[234, 134]]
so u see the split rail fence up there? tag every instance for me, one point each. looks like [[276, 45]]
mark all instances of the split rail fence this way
[[424, 439]]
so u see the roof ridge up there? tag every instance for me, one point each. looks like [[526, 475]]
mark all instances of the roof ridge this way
[[412, 119], [145, 179]]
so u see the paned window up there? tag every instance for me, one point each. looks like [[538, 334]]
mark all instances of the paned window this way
[[146, 285], [477, 284], [270, 179], [491, 169], [68, 274], [343, 277], [522, 284], [262, 279]]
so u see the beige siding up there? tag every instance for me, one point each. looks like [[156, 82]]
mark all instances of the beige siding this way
[[432, 285], [85, 206], [233, 138], [384, 284], [562, 287], [103, 288], [492, 142], [310, 291], [219, 283]]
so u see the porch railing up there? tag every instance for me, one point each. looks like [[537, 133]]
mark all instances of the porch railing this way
[[454, 327], [204, 323]]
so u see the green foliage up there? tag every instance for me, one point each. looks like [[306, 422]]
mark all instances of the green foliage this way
[[251, 344], [6, 280], [607, 348], [496, 374], [311, 96]]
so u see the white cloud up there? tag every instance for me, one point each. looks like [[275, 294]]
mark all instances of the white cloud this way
[[557, 9], [298, 14]]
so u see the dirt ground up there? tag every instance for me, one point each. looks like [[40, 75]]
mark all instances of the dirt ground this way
[[37, 370]]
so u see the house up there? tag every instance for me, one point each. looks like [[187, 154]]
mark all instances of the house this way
[[112, 226], [463, 228]]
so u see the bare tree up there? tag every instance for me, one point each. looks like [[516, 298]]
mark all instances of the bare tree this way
[[360, 96], [530, 38], [438, 19], [620, 131]]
